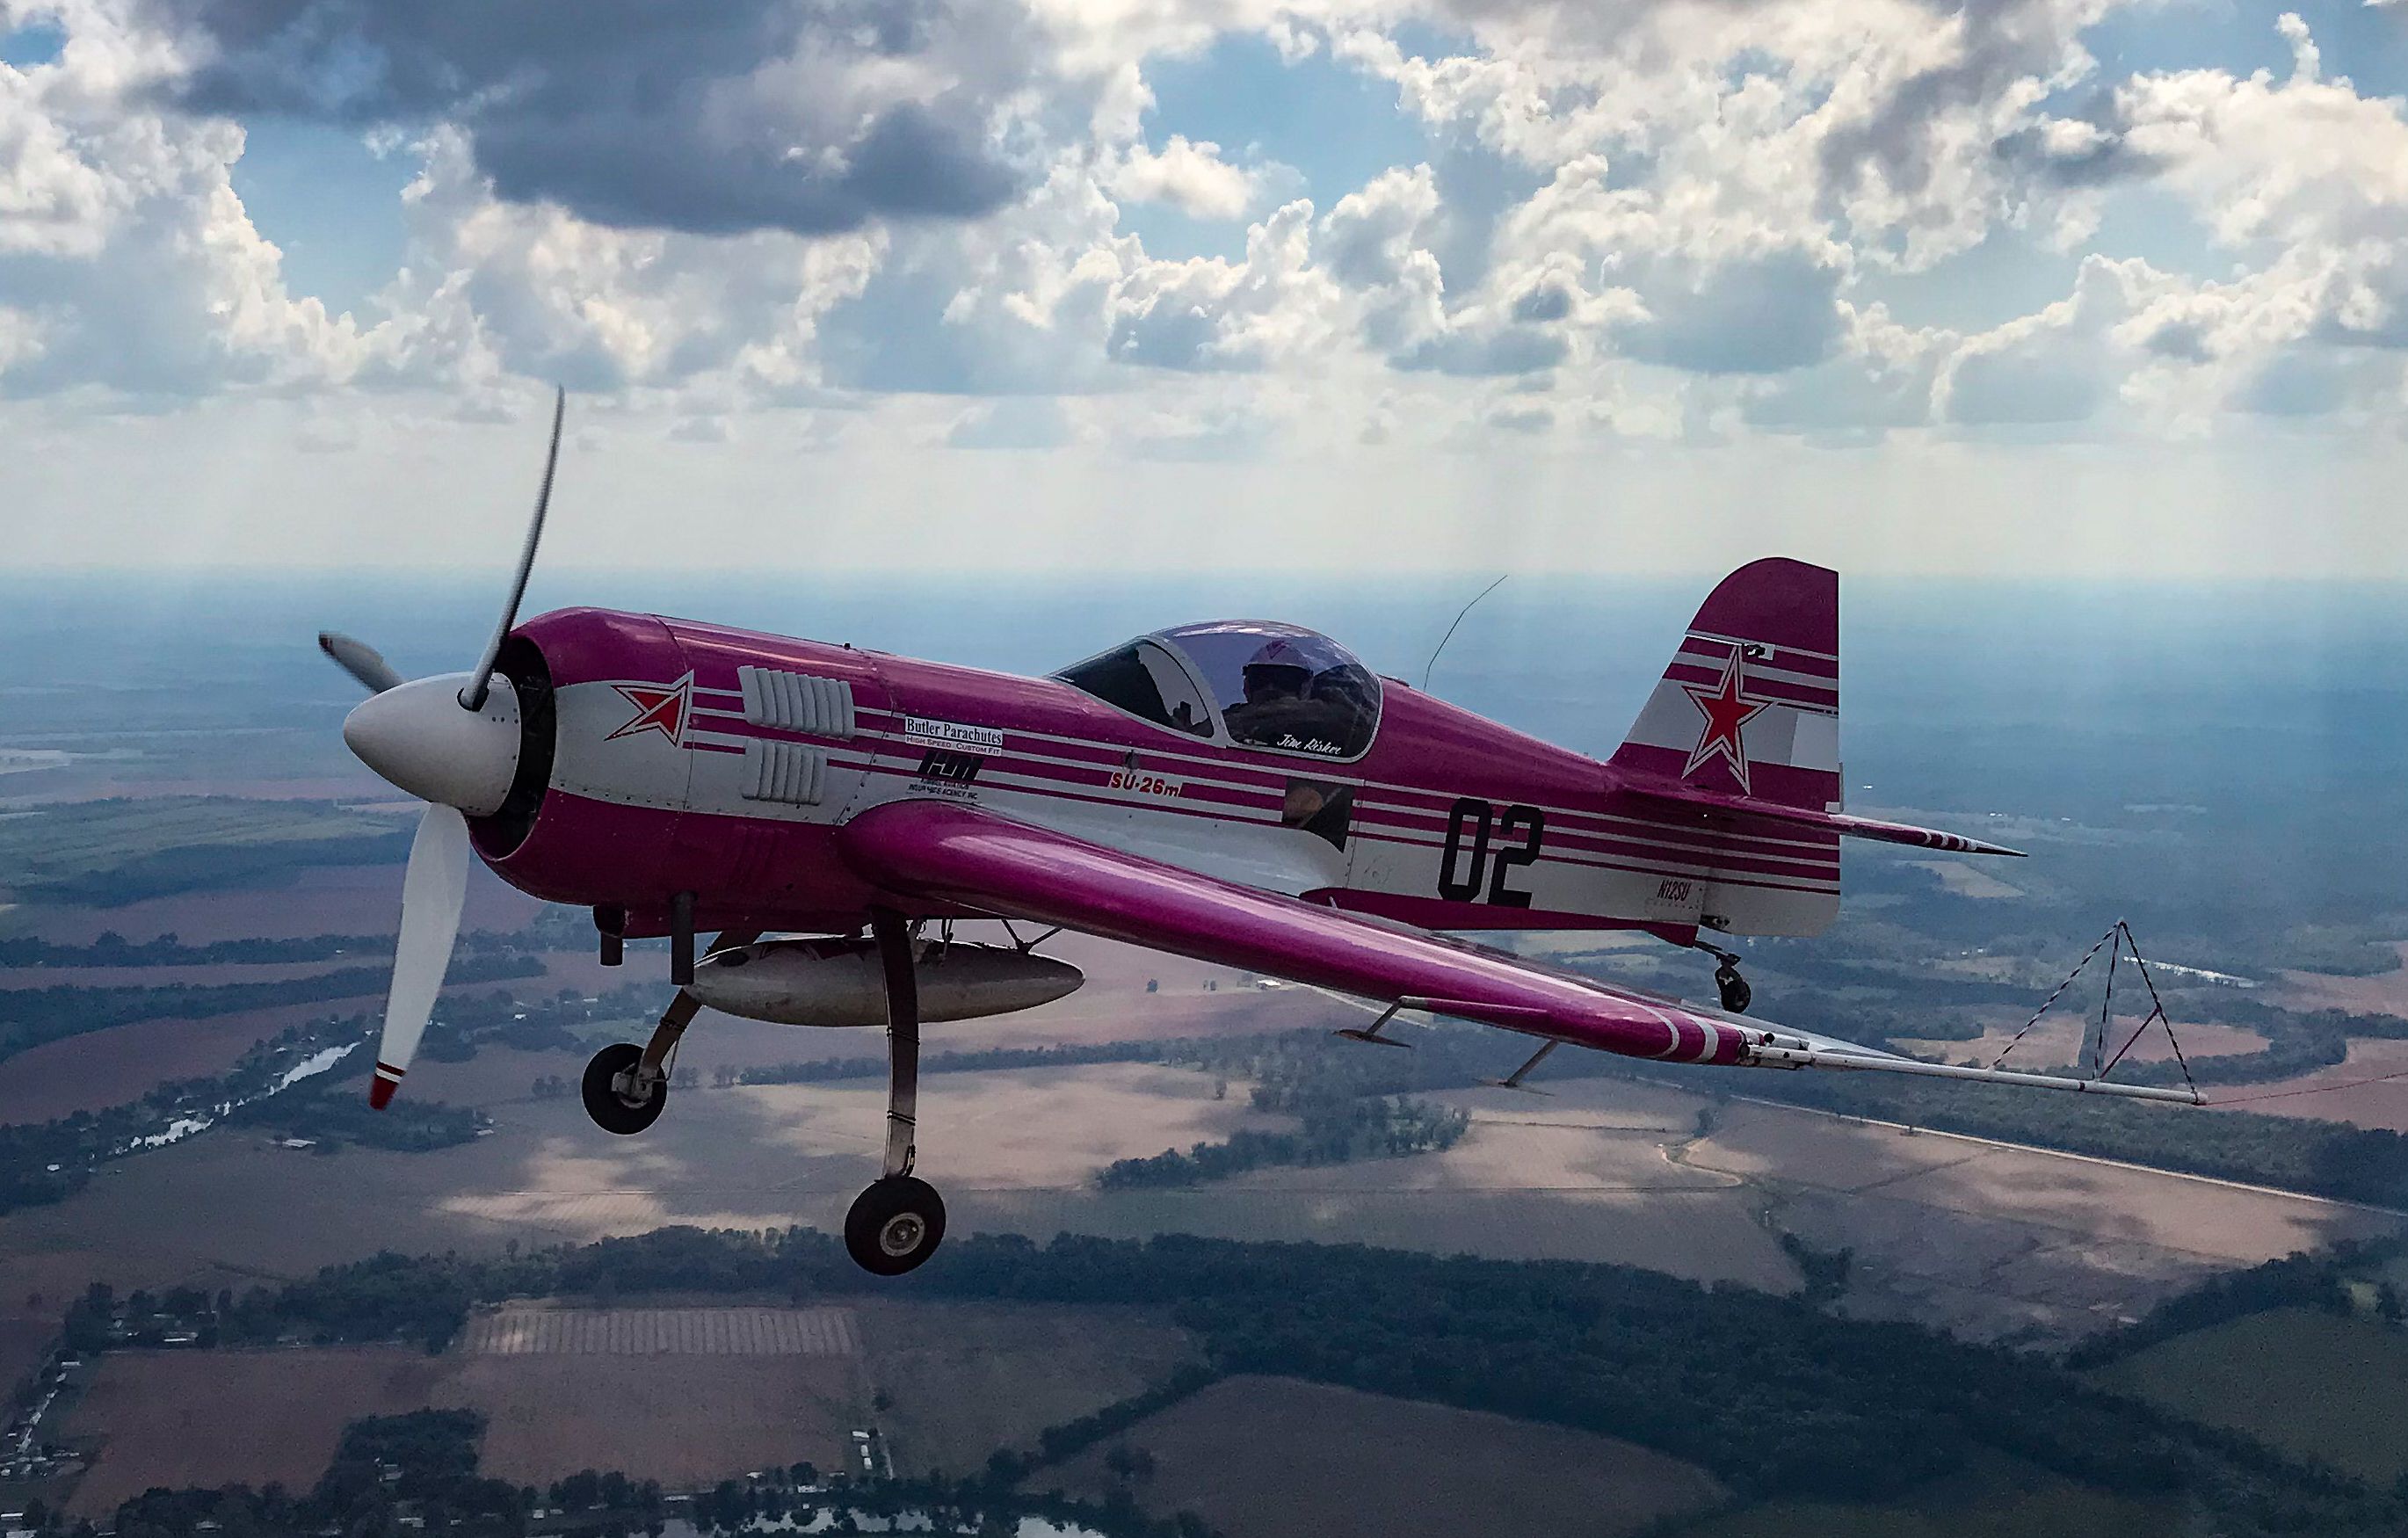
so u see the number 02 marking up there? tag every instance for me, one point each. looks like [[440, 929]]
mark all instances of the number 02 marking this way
[[1464, 867]]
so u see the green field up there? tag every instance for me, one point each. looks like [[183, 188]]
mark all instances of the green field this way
[[2317, 1386], [104, 853], [1997, 1499]]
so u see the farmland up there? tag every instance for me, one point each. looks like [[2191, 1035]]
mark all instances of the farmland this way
[[2319, 1386], [682, 1419], [683, 1395], [219, 1416], [1992, 1497], [194, 1418], [965, 1378], [1272, 1457]]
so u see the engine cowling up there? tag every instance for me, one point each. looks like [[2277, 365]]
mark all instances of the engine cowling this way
[[840, 983]]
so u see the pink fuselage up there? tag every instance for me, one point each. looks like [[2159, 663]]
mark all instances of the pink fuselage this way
[[690, 758]]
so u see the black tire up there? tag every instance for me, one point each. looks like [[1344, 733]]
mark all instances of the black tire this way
[[611, 1110], [1736, 994], [893, 1225]]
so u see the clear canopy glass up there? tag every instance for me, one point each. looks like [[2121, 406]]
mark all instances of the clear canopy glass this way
[[1268, 686]]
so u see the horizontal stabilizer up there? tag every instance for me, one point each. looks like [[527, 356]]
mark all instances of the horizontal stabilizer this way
[[1709, 804]]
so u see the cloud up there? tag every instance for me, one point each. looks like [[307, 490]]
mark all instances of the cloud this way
[[1882, 378], [126, 260], [494, 288], [1209, 314], [1656, 219], [722, 119], [1191, 177], [1021, 423]]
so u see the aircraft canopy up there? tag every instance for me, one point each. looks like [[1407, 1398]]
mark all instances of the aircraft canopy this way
[[1252, 683]]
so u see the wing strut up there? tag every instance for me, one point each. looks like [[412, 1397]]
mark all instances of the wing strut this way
[[2117, 942]]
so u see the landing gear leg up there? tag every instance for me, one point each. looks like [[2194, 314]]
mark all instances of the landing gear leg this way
[[1736, 994], [899, 1220], [628, 1087]]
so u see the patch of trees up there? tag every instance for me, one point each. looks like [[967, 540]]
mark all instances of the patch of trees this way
[[419, 1471], [1058, 1444], [215, 867], [1335, 1131], [942, 1505], [2319, 1280], [422, 1465], [1349, 1100], [31, 1016], [832, 1069], [1772, 1396], [333, 1111], [2320, 1158], [112, 949], [48, 1161]]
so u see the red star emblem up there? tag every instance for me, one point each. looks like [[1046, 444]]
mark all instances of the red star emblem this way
[[1727, 711], [659, 708]]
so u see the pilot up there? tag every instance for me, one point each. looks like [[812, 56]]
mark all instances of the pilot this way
[[1283, 708]]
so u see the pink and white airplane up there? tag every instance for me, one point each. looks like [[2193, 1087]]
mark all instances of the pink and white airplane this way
[[1238, 792]]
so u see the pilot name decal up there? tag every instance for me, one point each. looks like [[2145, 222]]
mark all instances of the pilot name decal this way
[[952, 734], [1290, 742]]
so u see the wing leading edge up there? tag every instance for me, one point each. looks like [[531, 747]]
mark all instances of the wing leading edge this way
[[975, 859]]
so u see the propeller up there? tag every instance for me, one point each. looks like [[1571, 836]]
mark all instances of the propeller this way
[[473, 697], [451, 741], [361, 660]]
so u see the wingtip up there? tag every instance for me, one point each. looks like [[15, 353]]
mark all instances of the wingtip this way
[[380, 1089]]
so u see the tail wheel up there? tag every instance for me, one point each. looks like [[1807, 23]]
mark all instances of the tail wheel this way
[[609, 1103], [894, 1224], [1736, 994]]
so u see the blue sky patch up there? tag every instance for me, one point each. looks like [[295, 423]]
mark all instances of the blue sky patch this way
[[331, 205]]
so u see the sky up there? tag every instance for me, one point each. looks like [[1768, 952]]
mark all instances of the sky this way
[[1996, 288]]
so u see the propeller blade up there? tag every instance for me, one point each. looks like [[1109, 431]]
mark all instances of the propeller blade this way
[[432, 891], [473, 697], [359, 659]]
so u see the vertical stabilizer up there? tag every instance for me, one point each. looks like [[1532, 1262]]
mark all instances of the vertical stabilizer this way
[[1750, 704]]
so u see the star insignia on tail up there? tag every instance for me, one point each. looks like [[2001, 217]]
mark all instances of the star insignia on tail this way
[[1728, 710]]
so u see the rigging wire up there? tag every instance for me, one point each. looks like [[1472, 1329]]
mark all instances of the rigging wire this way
[[2309, 1089], [2115, 941]]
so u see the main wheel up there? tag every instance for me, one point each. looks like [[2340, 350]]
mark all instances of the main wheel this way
[[611, 1110], [893, 1225], [1736, 994]]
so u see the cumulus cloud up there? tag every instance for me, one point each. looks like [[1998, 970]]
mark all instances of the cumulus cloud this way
[[1214, 314], [125, 258], [719, 118], [1660, 218], [495, 289], [1191, 177]]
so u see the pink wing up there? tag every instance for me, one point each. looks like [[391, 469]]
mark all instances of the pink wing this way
[[934, 850]]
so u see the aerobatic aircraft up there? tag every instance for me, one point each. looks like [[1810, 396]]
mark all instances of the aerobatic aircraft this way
[[1238, 792]]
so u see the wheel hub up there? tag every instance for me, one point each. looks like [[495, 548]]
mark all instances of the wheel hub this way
[[633, 1092], [899, 1235]]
